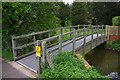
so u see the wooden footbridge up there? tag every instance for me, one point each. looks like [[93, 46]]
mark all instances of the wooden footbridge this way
[[78, 39]]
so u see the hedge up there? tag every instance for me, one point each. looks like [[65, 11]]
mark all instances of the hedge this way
[[116, 21]]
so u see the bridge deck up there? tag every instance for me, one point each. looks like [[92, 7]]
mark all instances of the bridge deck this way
[[31, 63]]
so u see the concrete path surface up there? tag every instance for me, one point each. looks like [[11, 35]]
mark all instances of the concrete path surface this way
[[14, 70]]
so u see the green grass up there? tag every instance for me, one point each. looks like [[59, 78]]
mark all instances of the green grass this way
[[66, 37], [68, 66], [7, 55]]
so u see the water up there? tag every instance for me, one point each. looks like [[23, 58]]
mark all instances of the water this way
[[107, 62]]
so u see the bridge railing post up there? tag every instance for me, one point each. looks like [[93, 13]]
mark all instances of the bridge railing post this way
[[84, 44], [70, 31], [49, 36], [34, 39], [44, 52], [78, 33], [13, 48], [61, 31], [60, 43], [74, 42], [102, 33], [92, 37], [39, 69], [97, 35]]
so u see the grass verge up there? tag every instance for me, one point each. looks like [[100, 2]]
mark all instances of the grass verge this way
[[7, 55]]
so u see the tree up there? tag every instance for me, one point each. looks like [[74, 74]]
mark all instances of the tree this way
[[78, 13], [94, 12], [21, 18], [64, 13]]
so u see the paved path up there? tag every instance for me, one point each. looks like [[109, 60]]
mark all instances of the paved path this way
[[30, 61], [14, 70]]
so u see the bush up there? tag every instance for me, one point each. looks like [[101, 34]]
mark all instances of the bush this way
[[67, 66], [115, 45], [116, 21]]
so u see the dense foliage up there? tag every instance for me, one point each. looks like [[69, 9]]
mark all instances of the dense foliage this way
[[67, 66], [114, 45], [23, 18], [78, 13], [64, 14], [94, 12], [116, 21]]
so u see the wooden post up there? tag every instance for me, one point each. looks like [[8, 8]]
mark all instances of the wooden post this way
[[60, 43], [49, 60], [74, 42], [34, 39], [39, 69], [61, 31], [13, 48], [102, 33], [91, 38], [49, 36], [84, 43], [97, 34], [107, 31], [70, 34], [78, 31], [44, 52]]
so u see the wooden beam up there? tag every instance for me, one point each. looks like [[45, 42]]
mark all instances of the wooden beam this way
[[25, 45], [49, 60], [86, 64]]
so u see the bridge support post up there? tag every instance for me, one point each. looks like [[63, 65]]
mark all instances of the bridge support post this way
[[13, 48], [74, 42]]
